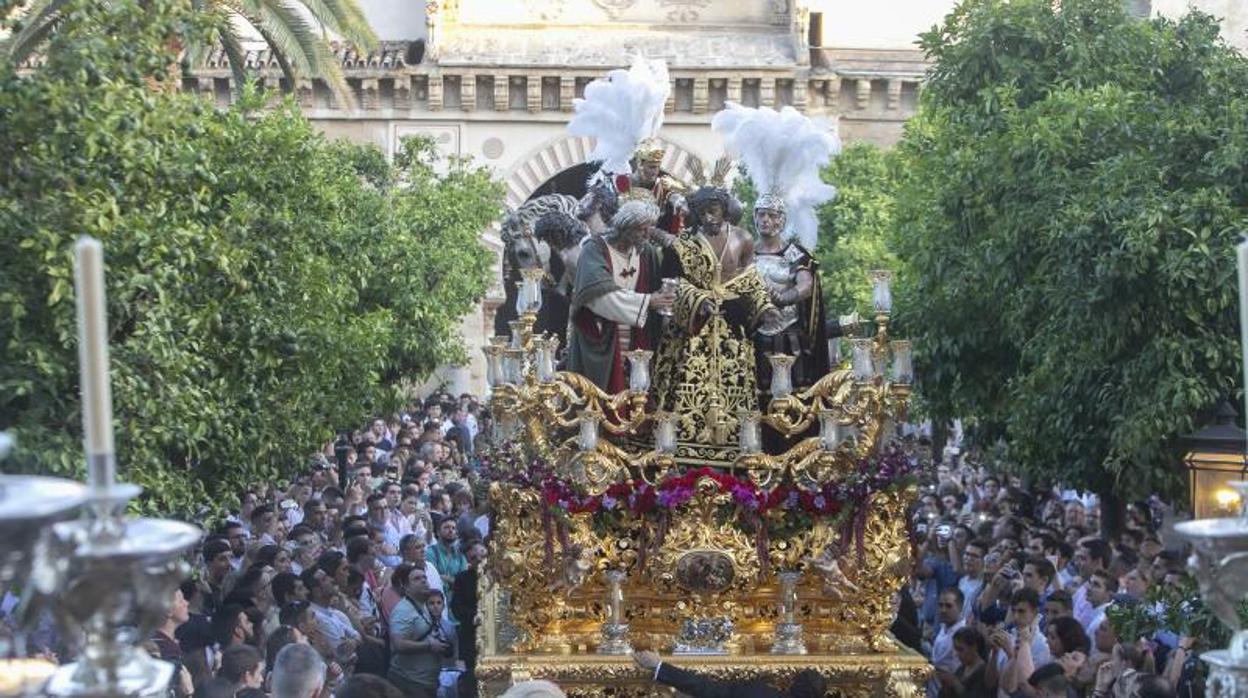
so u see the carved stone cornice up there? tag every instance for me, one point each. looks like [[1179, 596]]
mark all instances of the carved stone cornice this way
[[399, 77]]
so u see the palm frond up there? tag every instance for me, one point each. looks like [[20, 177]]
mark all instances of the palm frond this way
[[295, 35], [344, 18], [282, 61], [232, 44], [39, 19]]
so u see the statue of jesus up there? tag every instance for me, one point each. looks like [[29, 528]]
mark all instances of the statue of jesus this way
[[705, 370]]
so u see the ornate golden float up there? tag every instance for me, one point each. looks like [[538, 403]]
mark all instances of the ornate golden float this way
[[754, 566]]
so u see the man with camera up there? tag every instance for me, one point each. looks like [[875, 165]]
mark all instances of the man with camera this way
[[416, 650], [938, 566]]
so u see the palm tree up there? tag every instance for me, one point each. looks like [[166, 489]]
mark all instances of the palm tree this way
[[296, 32]]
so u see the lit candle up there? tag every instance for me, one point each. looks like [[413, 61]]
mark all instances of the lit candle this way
[[665, 433], [97, 398], [639, 370], [588, 440], [781, 375], [1241, 250]]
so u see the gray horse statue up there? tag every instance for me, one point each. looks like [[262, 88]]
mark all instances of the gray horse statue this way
[[544, 233]]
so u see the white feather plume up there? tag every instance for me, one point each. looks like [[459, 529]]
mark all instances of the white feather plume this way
[[783, 152], [620, 111]]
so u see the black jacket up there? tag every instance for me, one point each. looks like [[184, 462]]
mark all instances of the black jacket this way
[[696, 686]]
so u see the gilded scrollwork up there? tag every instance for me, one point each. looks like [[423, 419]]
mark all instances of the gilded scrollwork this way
[[895, 673], [552, 573], [711, 542]]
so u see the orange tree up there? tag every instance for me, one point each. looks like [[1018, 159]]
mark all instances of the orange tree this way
[[265, 286], [1075, 183]]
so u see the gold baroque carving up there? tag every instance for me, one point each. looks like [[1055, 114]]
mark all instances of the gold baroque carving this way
[[898, 673]]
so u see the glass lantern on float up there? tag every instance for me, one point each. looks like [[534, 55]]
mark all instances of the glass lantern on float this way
[[781, 375], [665, 433], [903, 361], [529, 291], [1216, 457], [750, 435], [587, 439], [544, 358], [831, 432], [882, 291], [863, 364], [639, 370]]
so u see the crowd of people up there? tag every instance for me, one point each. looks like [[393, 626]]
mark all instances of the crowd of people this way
[[358, 585], [1014, 588], [360, 577]]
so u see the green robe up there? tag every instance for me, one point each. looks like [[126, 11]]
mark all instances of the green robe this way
[[592, 342]]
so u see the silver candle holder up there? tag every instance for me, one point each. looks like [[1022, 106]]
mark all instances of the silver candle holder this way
[[113, 579], [615, 630], [1219, 562], [788, 634], [29, 505]]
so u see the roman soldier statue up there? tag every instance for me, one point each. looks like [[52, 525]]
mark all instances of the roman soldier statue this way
[[783, 153], [623, 112]]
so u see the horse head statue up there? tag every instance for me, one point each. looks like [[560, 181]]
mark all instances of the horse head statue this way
[[523, 249]]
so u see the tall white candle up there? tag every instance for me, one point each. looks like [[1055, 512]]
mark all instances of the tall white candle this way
[[1241, 251], [97, 398]]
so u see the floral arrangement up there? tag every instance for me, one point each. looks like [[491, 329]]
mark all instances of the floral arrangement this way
[[1178, 608], [776, 512]]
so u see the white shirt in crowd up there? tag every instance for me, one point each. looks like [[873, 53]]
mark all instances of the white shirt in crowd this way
[[334, 625], [1097, 617], [1080, 608], [970, 588], [434, 577], [943, 656], [1039, 652]]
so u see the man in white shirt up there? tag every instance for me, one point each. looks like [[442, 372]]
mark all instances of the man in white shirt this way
[[1093, 554], [949, 615], [1016, 653], [264, 525], [1101, 589], [971, 583], [333, 624]]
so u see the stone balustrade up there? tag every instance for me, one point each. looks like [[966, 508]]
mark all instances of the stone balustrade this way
[[846, 83]]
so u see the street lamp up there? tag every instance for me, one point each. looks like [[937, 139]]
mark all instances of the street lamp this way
[[1215, 457]]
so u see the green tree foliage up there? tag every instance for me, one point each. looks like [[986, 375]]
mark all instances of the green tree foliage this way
[[1075, 183], [854, 228], [265, 285], [293, 30]]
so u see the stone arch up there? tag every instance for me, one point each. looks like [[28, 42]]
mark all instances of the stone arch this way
[[539, 165]]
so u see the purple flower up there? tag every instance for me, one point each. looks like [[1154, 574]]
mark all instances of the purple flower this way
[[609, 502], [821, 502], [744, 496], [673, 497]]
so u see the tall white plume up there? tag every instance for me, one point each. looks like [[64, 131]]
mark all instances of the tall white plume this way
[[621, 110], [783, 152]]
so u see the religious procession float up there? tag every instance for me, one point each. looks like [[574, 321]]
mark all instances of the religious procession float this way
[[683, 461]]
